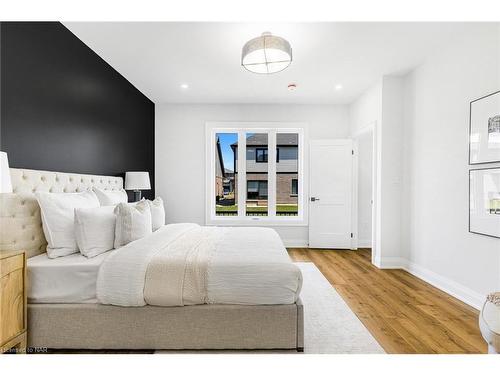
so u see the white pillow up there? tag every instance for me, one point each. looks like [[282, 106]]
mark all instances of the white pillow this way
[[58, 219], [111, 197], [157, 213], [132, 222], [95, 230]]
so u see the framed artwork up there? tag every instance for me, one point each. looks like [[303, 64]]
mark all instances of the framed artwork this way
[[484, 129], [484, 201]]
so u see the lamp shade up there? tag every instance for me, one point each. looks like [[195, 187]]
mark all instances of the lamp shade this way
[[5, 183], [266, 54], [137, 181]]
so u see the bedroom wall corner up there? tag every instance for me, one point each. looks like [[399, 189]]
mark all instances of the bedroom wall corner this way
[[436, 126]]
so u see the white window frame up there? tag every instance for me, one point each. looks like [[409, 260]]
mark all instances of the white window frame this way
[[271, 128]]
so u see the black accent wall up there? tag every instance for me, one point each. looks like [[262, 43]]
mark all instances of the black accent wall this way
[[64, 109]]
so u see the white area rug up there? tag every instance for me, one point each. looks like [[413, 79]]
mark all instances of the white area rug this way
[[330, 327], [329, 324]]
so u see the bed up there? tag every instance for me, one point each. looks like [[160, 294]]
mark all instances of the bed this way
[[65, 312]]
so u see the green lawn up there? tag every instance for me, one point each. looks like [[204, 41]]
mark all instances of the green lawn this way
[[279, 208]]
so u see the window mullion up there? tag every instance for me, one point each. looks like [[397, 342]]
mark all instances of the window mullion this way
[[300, 173], [242, 174], [271, 176]]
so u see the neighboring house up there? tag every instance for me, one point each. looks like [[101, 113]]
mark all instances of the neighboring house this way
[[257, 168], [219, 172], [228, 182]]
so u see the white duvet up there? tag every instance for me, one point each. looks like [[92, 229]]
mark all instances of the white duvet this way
[[187, 264]]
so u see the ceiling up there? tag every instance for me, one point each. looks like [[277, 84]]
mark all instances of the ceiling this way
[[159, 57]]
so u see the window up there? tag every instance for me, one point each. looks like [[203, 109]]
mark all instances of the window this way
[[261, 155], [249, 185], [257, 173], [295, 186], [287, 183], [224, 164], [256, 190]]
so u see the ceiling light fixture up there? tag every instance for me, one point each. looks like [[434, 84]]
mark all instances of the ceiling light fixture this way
[[338, 87], [184, 86], [266, 54], [292, 87]]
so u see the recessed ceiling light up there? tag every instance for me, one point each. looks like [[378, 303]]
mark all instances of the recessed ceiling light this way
[[184, 86], [292, 87], [338, 87]]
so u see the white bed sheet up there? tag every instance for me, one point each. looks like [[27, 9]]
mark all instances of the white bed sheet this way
[[252, 267], [249, 266], [68, 279]]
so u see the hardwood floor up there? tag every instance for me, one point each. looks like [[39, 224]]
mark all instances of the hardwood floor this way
[[402, 312]]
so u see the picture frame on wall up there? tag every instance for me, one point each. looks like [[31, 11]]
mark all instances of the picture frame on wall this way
[[484, 201], [484, 129]]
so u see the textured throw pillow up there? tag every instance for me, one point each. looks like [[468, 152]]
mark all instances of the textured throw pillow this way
[[157, 213], [95, 230], [111, 197], [133, 221], [58, 219]]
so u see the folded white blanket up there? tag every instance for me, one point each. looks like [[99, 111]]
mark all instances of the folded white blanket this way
[[185, 264]]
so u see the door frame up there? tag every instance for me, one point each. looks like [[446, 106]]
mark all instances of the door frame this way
[[375, 240], [354, 179]]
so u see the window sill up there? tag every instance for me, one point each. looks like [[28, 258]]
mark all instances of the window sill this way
[[256, 222]]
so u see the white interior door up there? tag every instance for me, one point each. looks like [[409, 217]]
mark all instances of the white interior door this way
[[331, 191]]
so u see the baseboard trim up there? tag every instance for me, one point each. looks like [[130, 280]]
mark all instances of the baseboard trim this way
[[364, 243], [451, 287], [297, 244], [391, 263], [447, 285]]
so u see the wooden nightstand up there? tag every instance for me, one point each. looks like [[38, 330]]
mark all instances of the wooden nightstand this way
[[13, 301]]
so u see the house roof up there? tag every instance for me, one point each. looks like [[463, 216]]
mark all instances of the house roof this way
[[261, 139]]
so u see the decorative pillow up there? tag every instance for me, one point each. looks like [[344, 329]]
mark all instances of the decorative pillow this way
[[58, 219], [157, 213], [95, 230], [132, 222], [111, 197]]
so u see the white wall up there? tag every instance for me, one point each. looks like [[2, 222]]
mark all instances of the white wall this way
[[365, 161], [390, 172], [366, 112], [436, 114], [180, 150], [381, 108]]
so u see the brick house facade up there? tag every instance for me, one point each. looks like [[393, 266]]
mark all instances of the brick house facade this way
[[257, 169]]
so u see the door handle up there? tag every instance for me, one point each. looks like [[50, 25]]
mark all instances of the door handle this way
[[314, 199]]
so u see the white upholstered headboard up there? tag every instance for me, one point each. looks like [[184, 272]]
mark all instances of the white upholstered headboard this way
[[20, 222]]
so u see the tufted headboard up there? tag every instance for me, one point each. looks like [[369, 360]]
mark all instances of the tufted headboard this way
[[20, 221]]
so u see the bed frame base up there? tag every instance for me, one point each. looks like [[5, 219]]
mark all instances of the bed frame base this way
[[94, 327]]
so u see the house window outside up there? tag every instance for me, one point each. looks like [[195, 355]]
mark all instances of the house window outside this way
[[261, 155], [256, 189], [295, 186], [270, 185]]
